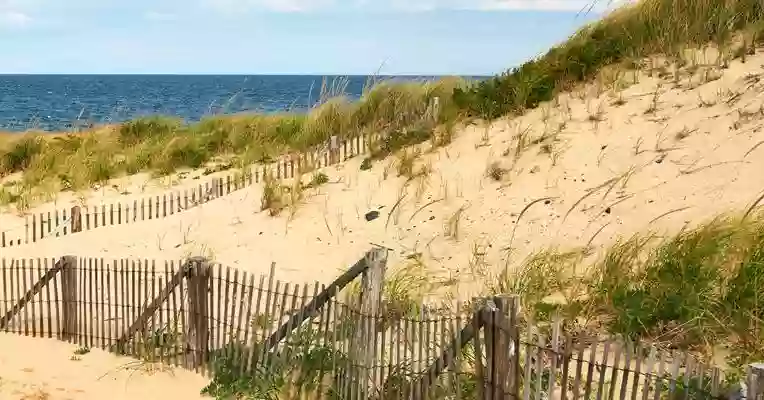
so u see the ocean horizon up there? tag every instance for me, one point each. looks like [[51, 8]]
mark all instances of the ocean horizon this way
[[65, 102]]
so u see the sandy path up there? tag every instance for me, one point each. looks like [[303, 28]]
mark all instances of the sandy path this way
[[49, 369]]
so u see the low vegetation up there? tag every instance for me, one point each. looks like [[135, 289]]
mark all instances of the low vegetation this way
[[699, 290]]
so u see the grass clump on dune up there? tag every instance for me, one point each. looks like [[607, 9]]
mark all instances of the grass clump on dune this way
[[625, 36]]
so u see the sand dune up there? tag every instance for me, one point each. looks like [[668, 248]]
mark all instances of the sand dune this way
[[656, 156], [682, 162]]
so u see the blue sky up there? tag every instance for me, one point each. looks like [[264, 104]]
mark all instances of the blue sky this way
[[438, 37]]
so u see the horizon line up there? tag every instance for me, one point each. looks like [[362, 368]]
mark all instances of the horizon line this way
[[232, 74]]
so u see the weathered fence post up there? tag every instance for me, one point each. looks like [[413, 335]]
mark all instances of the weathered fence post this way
[[436, 109], [755, 381], [69, 330], [334, 150], [365, 335], [198, 306], [505, 358], [76, 219]]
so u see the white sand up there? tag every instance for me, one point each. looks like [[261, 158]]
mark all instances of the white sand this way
[[672, 180], [43, 367]]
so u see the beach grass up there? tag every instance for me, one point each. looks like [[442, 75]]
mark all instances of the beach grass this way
[[696, 290]]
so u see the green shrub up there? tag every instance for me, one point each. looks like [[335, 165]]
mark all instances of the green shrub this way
[[21, 153]]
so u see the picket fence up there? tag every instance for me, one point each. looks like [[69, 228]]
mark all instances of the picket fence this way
[[63, 222], [340, 341]]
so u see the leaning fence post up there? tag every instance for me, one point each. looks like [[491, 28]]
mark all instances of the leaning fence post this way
[[69, 318], [372, 283], [755, 381], [198, 299]]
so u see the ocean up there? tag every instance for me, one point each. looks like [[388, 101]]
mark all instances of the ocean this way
[[62, 102]]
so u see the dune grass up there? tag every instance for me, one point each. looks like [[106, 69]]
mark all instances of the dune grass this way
[[626, 36], [700, 290]]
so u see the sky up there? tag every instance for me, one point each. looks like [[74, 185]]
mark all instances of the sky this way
[[322, 37]]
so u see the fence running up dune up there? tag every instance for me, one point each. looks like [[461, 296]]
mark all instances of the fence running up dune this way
[[62, 222], [340, 341]]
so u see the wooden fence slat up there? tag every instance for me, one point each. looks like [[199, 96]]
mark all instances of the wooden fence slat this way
[[674, 372], [169, 338], [83, 323], [567, 353], [614, 373], [556, 326], [603, 370], [457, 360], [266, 315], [33, 279], [247, 343], [539, 395], [479, 368], [23, 288], [16, 295], [179, 306], [659, 376], [648, 373], [237, 315], [90, 302], [255, 325], [628, 353], [49, 303], [590, 370], [217, 312], [7, 280], [528, 362], [226, 299]]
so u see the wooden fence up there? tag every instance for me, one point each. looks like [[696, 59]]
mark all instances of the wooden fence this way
[[62, 222], [339, 341]]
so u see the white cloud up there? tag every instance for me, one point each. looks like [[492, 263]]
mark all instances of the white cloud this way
[[159, 16], [550, 5], [234, 6], [498, 5], [14, 19]]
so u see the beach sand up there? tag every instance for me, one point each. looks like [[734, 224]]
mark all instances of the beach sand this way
[[598, 166], [38, 368]]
